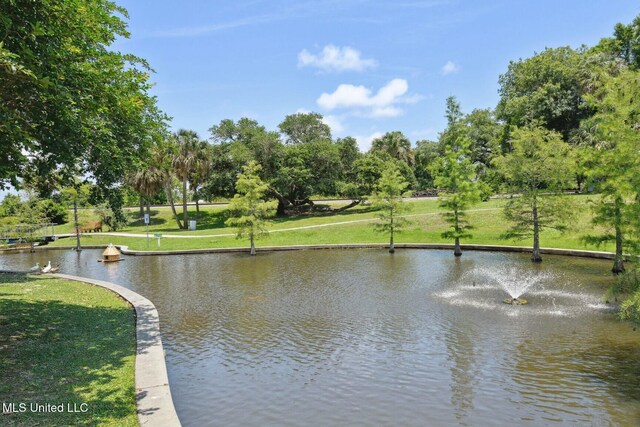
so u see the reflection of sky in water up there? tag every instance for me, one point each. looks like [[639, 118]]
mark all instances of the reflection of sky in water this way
[[361, 337]]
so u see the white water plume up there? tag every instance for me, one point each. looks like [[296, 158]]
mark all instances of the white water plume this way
[[513, 280]]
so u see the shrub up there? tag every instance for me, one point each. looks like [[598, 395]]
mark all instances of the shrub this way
[[628, 284], [10, 205], [110, 218], [630, 308], [54, 212]]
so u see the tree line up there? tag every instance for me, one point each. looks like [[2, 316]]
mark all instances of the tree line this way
[[567, 119]]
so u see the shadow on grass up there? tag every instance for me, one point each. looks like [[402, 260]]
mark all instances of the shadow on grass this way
[[134, 219], [214, 220], [205, 221], [62, 353], [343, 215]]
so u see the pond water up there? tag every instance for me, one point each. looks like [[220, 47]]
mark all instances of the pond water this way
[[360, 337]]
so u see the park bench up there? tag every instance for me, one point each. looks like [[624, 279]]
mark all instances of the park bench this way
[[90, 227]]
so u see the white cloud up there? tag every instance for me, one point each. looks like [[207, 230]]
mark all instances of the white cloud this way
[[364, 142], [449, 68], [363, 102], [385, 112], [334, 123], [335, 58], [345, 96]]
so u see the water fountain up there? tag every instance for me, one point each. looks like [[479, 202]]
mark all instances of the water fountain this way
[[515, 301], [514, 281], [499, 288], [487, 282]]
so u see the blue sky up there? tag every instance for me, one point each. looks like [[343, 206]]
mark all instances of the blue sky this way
[[368, 66]]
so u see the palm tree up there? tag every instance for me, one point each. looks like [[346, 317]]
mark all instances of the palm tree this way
[[147, 182], [201, 167], [185, 163], [161, 158], [396, 145]]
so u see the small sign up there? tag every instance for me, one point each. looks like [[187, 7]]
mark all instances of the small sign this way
[[146, 218]]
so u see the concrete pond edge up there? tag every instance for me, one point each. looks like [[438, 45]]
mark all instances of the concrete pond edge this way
[[153, 395], [470, 247]]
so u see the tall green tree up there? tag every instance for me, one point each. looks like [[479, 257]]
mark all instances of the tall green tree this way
[[537, 169], [243, 141], [396, 145], [249, 208], [147, 181], [302, 128], [614, 161], [305, 170], [161, 158], [547, 89], [10, 205], [625, 43], [426, 153], [31, 217], [367, 170], [485, 133], [197, 177], [455, 174], [349, 152], [67, 99], [188, 160], [73, 194], [388, 198]]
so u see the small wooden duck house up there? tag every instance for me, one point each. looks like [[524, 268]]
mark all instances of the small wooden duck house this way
[[111, 254]]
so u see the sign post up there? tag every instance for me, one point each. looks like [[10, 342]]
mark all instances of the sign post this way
[[146, 221], [158, 236]]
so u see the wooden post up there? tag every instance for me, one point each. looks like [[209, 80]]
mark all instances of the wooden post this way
[[75, 216]]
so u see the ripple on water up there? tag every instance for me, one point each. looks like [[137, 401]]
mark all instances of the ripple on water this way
[[360, 337]]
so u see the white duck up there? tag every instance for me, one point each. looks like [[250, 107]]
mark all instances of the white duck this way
[[35, 267], [47, 268]]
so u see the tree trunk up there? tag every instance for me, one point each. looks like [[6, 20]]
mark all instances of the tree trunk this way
[[350, 205], [168, 193], [618, 262], [535, 255], [75, 219], [457, 251], [149, 209], [253, 246], [185, 213], [456, 216], [197, 209], [141, 205], [282, 202], [392, 248]]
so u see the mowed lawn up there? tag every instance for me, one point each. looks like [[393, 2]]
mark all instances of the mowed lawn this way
[[69, 343], [351, 226]]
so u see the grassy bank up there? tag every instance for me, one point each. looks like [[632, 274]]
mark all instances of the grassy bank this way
[[68, 343], [351, 226]]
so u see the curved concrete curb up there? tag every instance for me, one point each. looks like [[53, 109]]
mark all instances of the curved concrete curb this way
[[470, 247], [153, 396]]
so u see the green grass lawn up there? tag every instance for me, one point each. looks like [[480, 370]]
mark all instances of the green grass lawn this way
[[350, 226], [64, 342]]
